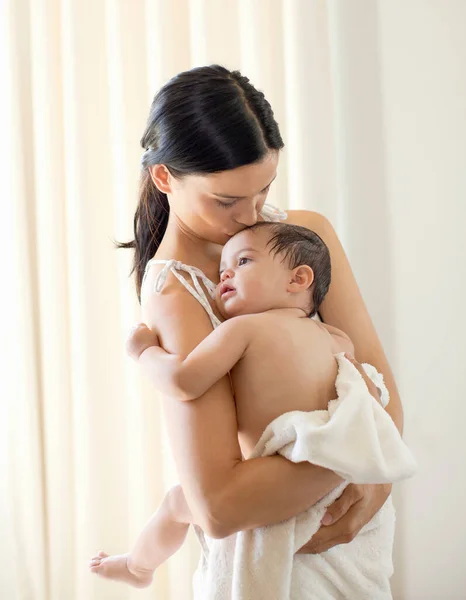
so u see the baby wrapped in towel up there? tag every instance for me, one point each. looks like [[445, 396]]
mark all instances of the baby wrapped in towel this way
[[296, 394]]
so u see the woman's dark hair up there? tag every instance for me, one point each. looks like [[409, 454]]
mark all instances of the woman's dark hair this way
[[205, 120], [298, 246]]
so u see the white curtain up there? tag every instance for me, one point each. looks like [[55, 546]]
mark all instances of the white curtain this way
[[83, 451]]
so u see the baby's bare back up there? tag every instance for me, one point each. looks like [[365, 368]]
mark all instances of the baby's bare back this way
[[289, 366]]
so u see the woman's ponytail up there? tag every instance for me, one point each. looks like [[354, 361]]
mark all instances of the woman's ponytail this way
[[150, 224]]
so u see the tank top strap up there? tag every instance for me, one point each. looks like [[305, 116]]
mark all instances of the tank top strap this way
[[272, 213], [195, 289]]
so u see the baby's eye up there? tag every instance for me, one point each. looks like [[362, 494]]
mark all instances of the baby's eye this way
[[243, 261]]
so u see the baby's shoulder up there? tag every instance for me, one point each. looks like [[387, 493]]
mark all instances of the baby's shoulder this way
[[264, 327], [250, 321]]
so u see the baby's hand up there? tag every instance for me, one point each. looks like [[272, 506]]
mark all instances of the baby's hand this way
[[139, 339]]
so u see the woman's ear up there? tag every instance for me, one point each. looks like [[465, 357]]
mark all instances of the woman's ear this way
[[301, 279], [161, 177]]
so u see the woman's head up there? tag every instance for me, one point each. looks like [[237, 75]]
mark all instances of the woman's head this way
[[211, 148], [215, 206]]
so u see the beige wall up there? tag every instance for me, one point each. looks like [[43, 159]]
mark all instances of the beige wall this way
[[423, 52], [401, 114]]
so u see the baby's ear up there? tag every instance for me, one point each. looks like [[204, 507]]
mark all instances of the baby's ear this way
[[301, 279]]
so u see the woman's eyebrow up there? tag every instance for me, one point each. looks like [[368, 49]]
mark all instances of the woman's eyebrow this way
[[241, 197]]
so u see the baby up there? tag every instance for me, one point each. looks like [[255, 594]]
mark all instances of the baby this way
[[273, 277]]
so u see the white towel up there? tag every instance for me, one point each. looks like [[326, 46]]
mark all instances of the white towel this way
[[357, 439]]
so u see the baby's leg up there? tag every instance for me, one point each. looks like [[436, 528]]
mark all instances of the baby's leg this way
[[161, 538]]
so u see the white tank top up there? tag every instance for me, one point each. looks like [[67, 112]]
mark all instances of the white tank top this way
[[268, 213]]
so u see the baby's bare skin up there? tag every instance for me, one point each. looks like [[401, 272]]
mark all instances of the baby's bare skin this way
[[288, 364]]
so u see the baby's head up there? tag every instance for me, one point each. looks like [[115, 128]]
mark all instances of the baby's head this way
[[273, 265]]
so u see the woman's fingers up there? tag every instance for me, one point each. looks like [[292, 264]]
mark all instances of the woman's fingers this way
[[341, 532], [340, 507], [345, 529], [341, 522]]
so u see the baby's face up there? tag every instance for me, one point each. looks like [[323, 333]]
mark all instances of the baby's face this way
[[252, 279]]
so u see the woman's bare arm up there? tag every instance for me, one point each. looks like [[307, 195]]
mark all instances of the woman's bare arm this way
[[224, 493], [343, 307]]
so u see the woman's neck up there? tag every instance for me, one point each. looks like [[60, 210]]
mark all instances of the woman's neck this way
[[183, 245]]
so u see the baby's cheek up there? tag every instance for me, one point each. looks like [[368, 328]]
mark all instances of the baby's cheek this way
[[259, 292]]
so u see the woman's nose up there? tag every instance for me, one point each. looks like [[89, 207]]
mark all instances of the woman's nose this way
[[248, 216]]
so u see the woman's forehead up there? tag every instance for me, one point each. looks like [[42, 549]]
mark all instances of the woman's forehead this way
[[243, 181]]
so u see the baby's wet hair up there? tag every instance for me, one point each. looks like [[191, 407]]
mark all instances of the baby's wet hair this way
[[301, 246]]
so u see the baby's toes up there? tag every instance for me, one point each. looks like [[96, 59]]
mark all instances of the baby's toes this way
[[102, 554]]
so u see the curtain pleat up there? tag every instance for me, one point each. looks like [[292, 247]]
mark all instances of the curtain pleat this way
[[84, 455]]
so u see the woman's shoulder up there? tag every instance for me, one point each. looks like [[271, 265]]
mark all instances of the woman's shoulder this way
[[319, 224], [177, 317], [172, 298], [310, 219]]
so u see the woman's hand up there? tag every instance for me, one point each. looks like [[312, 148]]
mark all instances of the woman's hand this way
[[346, 517], [139, 339]]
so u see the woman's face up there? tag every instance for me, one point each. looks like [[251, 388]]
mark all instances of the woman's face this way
[[215, 207]]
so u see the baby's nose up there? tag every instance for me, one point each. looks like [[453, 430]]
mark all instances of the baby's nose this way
[[226, 274]]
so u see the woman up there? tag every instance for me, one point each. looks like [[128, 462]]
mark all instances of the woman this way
[[211, 154]]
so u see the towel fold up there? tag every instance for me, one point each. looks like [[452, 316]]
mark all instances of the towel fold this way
[[357, 439]]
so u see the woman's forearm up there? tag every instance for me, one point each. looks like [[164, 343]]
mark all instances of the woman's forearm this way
[[394, 407], [380, 362], [265, 491]]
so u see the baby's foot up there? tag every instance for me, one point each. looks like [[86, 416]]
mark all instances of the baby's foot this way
[[139, 339], [119, 568]]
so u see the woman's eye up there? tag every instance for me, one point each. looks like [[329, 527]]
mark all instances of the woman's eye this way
[[243, 261], [226, 204]]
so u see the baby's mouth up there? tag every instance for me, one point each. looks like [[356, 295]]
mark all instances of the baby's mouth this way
[[226, 290]]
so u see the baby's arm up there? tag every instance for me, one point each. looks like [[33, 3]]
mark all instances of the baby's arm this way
[[190, 377]]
